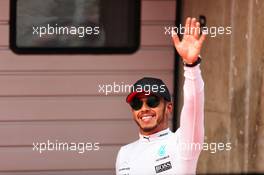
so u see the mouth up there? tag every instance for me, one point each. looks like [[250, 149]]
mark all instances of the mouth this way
[[147, 118]]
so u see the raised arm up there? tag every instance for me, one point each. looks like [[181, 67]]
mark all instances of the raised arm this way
[[191, 131]]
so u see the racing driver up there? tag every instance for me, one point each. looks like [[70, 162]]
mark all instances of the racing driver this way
[[158, 150]]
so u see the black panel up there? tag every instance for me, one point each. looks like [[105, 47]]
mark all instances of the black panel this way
[[74, 26]]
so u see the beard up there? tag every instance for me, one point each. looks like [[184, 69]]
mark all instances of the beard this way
[[159, 122]]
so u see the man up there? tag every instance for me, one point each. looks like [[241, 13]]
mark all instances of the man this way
[[158, 150]]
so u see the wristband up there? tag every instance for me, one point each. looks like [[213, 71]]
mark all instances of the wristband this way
[[198, 61]]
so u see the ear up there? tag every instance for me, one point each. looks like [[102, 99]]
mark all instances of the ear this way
[[169, 107]]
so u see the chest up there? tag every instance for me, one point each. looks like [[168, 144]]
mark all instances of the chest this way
[[153, 158]]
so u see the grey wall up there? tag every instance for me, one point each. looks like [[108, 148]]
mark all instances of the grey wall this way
[[233, 74], [56, 97]]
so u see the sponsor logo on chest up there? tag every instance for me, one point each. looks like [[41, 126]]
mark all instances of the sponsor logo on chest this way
[[163, 167]]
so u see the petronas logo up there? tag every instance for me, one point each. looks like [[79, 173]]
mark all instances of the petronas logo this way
[[162, 150]]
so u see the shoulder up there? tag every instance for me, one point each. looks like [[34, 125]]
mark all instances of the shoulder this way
[[127, 149], [124, 153]]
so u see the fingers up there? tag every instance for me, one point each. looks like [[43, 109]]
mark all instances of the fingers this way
[[187, 26], [197, 30], [192, 27], [176, 39], [202, 38], [193, 23]]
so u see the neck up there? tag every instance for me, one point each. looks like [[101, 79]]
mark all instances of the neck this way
[[154, 131]]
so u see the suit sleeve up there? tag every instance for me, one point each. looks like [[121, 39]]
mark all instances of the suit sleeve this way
[[191, 130]]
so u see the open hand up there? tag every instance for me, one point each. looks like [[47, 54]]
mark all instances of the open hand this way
[[190, 46]]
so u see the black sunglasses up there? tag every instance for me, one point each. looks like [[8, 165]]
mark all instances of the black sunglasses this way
[[152, 102]]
